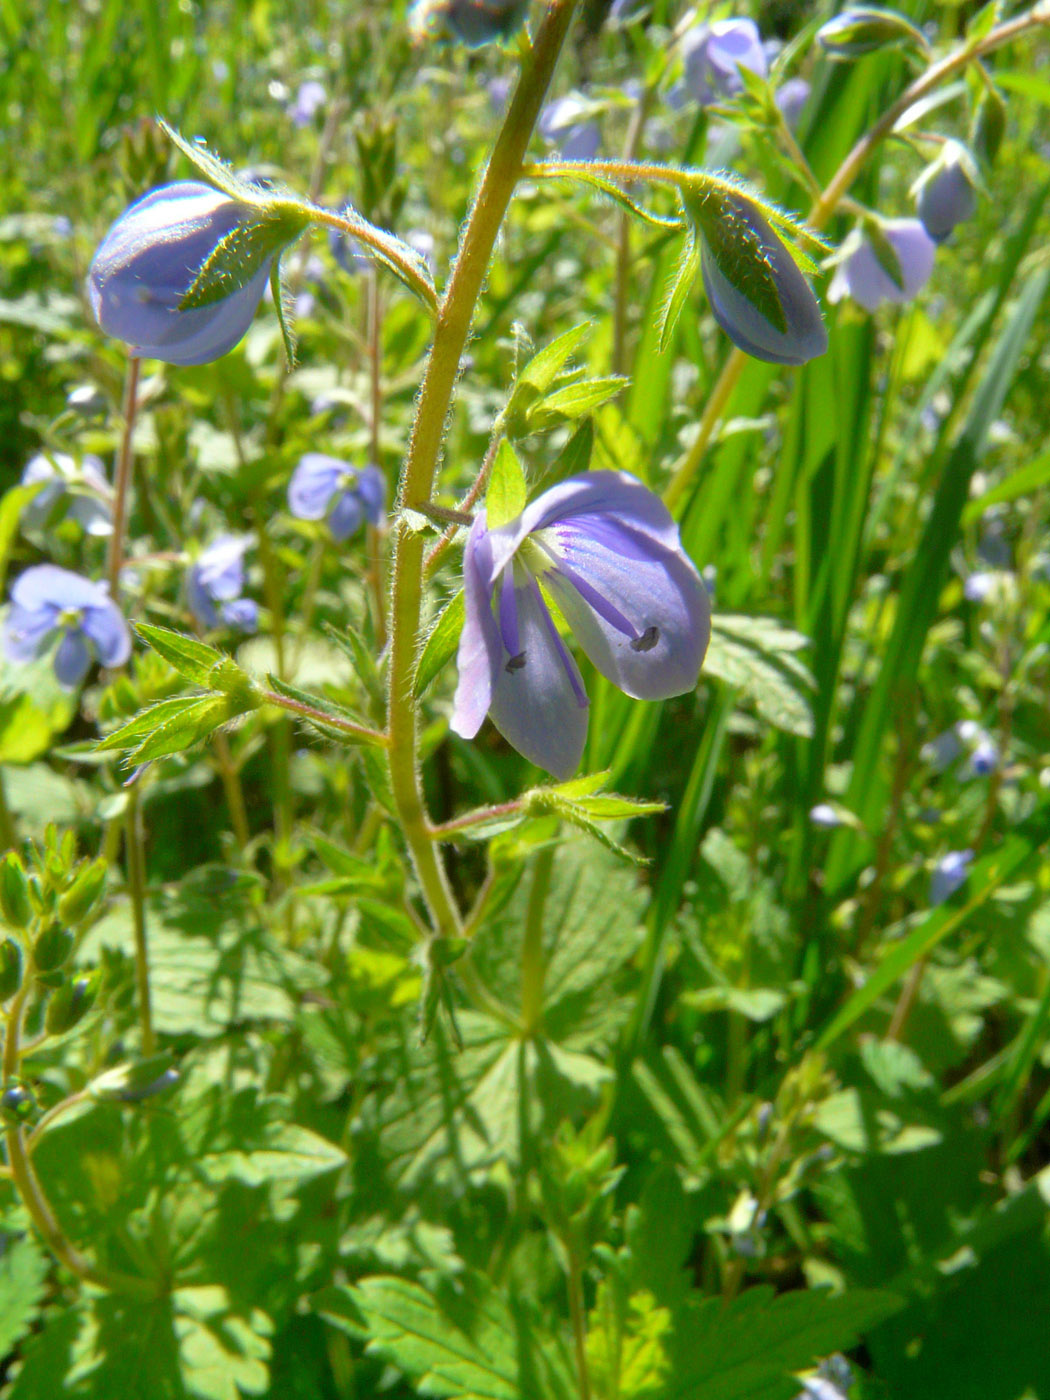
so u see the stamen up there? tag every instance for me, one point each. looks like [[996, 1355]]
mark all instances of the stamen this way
[[647, 640], [515, 663]]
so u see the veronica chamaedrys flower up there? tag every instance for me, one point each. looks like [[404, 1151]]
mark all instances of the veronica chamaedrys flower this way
[[946, 196], [714, 55], [49, 604], [215, 583], [861, 276], [805, 335], [148, 261], [309, 100], [78, 490], [607, 552], [563, 125], [948, 874], [791, 99], [323, 487]]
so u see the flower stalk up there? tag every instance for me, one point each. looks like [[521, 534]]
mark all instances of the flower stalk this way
[[454, 318]]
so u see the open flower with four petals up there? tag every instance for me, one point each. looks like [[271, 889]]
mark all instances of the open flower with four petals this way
[[604, 550], [49, 604]]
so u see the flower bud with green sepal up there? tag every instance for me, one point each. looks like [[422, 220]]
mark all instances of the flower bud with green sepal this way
[[861, 31], [52, 948], [15, 901], [83, 894], [758, 294], [70, 1003], [17, 1105]]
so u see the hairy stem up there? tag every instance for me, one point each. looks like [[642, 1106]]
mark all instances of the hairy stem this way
[[455, 315]]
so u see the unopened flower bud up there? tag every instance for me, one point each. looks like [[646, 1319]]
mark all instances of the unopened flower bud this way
[[84, 893], [14, 891], [17, 1104], [149, 260], [70, 1003], [861, 31], [52, 948], [946, 195]]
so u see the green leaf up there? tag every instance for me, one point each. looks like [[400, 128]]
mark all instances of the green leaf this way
[[441, 643], [192, 658], [748, 1349], [685, 273], [465, 1342], [574, 401], [626, 1344], [170, 726], [507, 493], [34, 708], [362, 658], [545, 366], [23, 1275], [756, 655]]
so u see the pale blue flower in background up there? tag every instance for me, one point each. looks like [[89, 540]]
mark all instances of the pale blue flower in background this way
[[792, 99], [148, 261], [949, 874], [309, 100], [564, 125], [861, 276], [823, 814], [714, 55], [325, 488], [67, 487], [49, 604], [606, 551], [215, 584]]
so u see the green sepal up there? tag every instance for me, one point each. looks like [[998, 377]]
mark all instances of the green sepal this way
[[441, 643], [284, 319], [70, 1003], [263, 233], [507, 492], [84, 893], [52, 948], [718, 213], [15, 903]]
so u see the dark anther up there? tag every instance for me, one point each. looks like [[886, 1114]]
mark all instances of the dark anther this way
[[515, 663], [647, 640]]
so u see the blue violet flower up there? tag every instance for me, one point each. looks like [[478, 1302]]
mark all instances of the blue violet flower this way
[[80, 491], [215, 584], [48, 603], [603, 548], [323, 487], [714, 55], [861, 276]]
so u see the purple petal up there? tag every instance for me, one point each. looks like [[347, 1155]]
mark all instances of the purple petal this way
[[348, 515], [863, 277], [27, 631], [607, 499], [201, 605], [371, 487], [106, 628], [640, 613], [72, 659], [314, 482], [242, 613], [46, 585], [538, 701], [478, 659], [947, 198], [220, 568]]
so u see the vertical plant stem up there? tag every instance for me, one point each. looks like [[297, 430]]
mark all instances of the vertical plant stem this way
[[533, 966], [375, 367], [578, 1314], [417, 482], [122, 478], [27, 1182], [623, 242], [231, 783], [136, 857], [281, 732]]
